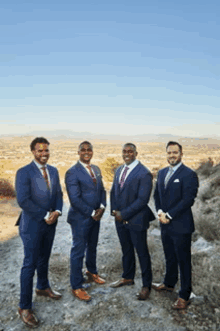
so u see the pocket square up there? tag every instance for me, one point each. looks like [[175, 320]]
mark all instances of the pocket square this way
[[176, 180]]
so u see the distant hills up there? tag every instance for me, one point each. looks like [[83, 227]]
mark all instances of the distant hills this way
[[213, 141]]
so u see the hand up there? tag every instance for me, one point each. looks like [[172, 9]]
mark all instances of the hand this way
[[98, 214], [52, 218], [163, 219], [118, 216]]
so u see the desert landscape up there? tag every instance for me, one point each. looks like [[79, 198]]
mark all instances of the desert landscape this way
[[114, 309]]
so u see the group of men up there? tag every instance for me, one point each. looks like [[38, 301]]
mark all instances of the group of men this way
[[39, 195]]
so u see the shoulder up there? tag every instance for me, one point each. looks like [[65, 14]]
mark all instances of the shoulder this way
[[26, 168], [143, 168], [187, 171]]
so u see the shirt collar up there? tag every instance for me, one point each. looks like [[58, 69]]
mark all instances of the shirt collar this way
[[132, 165], [40, 166], [84, 164], [176, 166]]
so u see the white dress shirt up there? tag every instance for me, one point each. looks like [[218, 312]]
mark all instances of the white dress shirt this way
[[40, 166], [130, 168]]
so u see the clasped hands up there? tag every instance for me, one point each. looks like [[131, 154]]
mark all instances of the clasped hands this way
[[162, 218], [118, 217], [52, 218], [98, 214]]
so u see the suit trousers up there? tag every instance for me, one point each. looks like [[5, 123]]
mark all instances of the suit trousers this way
[[37, 239], [177, 250], [130, 239], [85, 239]]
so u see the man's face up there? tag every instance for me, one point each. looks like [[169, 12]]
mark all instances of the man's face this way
[[128, 154], [174, 156], [41, 153], [85, 153]]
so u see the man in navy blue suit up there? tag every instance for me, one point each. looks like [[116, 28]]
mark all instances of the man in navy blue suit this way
[[175, 192], [130, 194], [40, 197], [88, 201]]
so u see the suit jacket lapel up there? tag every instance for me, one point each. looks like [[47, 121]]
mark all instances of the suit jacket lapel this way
[[174, 176], [130, 176], [85, 172], [40, 176]]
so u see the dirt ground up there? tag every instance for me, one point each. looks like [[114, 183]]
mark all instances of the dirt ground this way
[[110, 309]]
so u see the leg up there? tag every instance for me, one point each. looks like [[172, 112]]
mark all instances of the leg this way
[[31, 242], [77, 255], [171, 276], [183, 252], [128, 257], [92, 241], [139, 240], [44, 255]]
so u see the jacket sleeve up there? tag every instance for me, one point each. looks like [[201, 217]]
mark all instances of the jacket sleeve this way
[[143, 196], [103, 192], [189, 192], [74, 193], [156, 195], [59, 194], [23, 190]]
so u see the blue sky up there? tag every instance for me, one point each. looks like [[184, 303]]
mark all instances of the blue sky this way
[[120, 67]]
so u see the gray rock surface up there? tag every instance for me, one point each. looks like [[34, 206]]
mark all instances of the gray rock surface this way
[[110, 309]]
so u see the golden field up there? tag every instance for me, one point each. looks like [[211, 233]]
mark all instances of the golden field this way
[[15, 153]]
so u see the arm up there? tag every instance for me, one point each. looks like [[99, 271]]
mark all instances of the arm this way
[[156, 195], [143, 197], [23, 190], [189, 192], [74, 194]]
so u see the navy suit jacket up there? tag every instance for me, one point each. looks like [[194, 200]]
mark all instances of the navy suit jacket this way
[[132, 199], [84, 195], [178, 198], [33, 195]]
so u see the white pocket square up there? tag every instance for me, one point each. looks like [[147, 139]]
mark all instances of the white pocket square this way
[[176, 180]]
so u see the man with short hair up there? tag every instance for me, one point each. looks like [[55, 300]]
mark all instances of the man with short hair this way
[[175, 193], [40, 197], [88, 201], [130, 194]]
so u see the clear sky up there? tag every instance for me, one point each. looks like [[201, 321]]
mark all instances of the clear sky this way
[[129, 67]]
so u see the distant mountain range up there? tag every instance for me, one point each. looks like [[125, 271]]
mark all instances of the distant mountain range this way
[[68, 134]]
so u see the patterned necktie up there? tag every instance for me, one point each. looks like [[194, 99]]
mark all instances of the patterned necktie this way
[[169, 174], [122, 181], [91, 173], [46, 177]]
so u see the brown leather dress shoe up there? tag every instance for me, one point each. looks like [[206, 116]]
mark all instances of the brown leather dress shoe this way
[[49, 293], [81, 294], [122, 282], [161, 287], [180, 304], [143, 294], [28, 317], [94, 278]]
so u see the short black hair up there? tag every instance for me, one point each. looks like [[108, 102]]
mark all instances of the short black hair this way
[[132, 145], [171, 143], [85, 142], [38, 140]]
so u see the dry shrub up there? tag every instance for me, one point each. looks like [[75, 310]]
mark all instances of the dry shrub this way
[[108, 168], [206, 276], [6, 188], [205, 168]]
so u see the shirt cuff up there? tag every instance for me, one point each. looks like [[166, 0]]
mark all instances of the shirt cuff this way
[[168, 215], [159, 211], [93, 213], [47, 215], [102, 206], [59, 212]]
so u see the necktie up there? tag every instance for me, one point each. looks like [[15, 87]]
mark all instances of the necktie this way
[[46, 177], [122, 181], [169, 174], [91, 173]]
